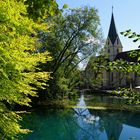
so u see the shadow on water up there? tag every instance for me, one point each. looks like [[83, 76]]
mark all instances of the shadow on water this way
[[82, 124]]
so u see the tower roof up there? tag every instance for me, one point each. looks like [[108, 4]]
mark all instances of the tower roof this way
[[112, 34]]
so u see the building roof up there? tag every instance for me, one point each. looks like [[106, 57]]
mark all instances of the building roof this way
[[112, 34], [126, 56]]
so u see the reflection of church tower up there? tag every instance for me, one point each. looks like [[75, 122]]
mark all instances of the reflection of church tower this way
[[113, 124], [113, 43]]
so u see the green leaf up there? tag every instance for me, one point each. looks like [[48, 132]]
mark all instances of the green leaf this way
[[135, 40], [65, 6]]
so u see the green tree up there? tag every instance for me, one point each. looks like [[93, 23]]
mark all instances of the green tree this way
[[18, 60], [73, 38]]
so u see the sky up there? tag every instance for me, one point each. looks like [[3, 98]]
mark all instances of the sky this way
[[126, 15]]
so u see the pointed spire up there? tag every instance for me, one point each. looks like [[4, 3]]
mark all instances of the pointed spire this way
[[112, 34]]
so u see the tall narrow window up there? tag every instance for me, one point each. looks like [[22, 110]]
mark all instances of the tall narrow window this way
[[117, 50], [108, 50], [112, 76], [108, 42], [117, 41]]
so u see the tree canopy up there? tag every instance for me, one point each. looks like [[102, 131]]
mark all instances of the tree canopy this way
[[18, 60], [41, 9], [73, 38]]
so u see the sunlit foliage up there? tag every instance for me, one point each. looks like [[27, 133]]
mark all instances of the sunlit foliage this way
[[18, 60]]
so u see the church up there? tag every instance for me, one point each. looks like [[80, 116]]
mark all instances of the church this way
[[114, 51]]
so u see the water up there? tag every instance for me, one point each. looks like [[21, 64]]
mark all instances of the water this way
[[82, 124]]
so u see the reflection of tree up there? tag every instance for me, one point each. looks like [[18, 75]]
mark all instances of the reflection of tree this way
[[60, 125], [87, 123], [77, 124], [50, 125]]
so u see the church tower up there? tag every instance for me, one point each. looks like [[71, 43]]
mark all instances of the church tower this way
[[113, 43], [112, 48]]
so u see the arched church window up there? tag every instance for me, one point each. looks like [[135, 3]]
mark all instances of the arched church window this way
[[108, 50], [117, 50], [108, 42], [117, 41]]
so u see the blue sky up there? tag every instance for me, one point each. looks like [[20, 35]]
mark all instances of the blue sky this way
[[126, 14]]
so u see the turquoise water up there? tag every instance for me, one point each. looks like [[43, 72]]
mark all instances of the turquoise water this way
[[82, 124]]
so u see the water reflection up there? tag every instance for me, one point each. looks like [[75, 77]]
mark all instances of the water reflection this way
[[111, 122], [82, 124], [89, 125]]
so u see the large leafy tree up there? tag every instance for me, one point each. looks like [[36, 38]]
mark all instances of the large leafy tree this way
[[18, 60], [73, 38]]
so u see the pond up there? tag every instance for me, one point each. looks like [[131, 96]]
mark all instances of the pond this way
[[82, 123]]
